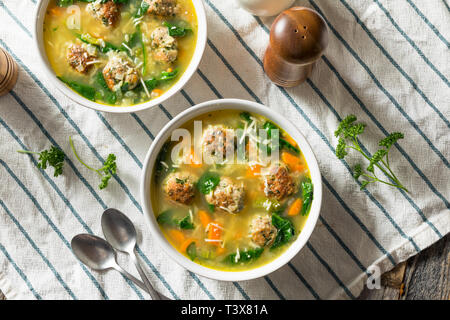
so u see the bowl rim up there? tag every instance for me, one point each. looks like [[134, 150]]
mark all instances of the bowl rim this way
[[39, 47], [147, 172]]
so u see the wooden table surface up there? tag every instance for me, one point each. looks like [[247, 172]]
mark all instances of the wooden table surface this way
[[424, 276]]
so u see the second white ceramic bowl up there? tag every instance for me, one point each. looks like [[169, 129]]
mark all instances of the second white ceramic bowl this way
[[193, 65], [147, 187]]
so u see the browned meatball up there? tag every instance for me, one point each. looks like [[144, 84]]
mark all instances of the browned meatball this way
[[107, 12], [278, 183], [217, 141], [179, 187], [164, 46], [163, 7], [119, 72], [80, 57], [227, 196], [262, 232]]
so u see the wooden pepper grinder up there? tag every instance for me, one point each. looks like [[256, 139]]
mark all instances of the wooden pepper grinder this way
[[8, 72], [298, 38]]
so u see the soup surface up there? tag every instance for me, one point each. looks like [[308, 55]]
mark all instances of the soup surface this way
[[241, 210], [120, 52]]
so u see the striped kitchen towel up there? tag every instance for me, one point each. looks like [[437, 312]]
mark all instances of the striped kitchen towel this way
[[388, 62]]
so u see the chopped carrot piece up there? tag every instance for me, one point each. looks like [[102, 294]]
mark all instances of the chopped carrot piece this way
[[55, 11], [289, 139], [295, 207], [157, 92], [294, 163], [191, 159], [186, 244], [205, 219], [252, 171], [176, 235], [220, 250], [169, 69], [214, 233]]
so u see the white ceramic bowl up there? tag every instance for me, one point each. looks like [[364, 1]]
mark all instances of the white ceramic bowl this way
[[198, 53], [146, 188]]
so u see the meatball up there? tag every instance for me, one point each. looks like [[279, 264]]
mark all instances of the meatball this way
[[164, 45], [80, 57], [162, 7], [179, 187], [107, 12], [262, 232], [217, 141], [119, 72], [278, 183], [227, 196]]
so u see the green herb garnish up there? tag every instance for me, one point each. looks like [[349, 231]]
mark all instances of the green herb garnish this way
[[86, 91], [191, 251], [348, 132], [285, 230], [245, 256], [54, 157], [207, 182], [176, 31], [108, 169], [307, 191]]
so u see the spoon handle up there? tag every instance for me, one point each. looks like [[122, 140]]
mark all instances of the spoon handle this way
[[151, 291], [138, 282]]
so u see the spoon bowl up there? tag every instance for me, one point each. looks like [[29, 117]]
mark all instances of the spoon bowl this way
[[118, 229], [94, 252]]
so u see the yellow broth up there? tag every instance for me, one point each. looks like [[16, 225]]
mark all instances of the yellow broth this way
[[58, 37], [234, 231]]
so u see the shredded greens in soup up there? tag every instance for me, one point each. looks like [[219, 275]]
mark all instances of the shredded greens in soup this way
[[232, 216], [120, 52]]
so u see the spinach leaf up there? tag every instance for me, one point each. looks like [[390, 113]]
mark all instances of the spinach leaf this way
[[285, 230], [211, 207], [142, 9], [245, 256], [191, 251], [307, 191], [160, 168], [106, 94], [185, 223], [246, 117], [208, 181], [176, 31], [168, 75], [165, 218], [64, 3], [86, 91], [289, 146], [151, 83]]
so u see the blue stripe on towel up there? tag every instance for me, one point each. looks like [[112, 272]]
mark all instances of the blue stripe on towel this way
[[424, 18], [27, 236], [20, 272], [380, 86], [395, 64]]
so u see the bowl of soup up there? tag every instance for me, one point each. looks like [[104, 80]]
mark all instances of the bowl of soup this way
[[120, 55], [231, 190]]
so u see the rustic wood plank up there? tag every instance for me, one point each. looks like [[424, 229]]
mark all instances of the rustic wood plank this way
[[424, 276]]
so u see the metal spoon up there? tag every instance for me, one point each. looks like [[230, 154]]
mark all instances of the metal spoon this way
[[120, 232], [99, 255]]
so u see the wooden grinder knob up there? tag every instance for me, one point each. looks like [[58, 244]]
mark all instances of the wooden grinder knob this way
[[298, 38], [8, 72]]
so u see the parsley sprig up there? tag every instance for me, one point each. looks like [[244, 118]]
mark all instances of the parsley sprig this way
[[53, 157], [108, 169], [348, 132]]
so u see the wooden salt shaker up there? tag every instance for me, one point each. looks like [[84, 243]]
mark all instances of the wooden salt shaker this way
[[8, 72], [298, 38]]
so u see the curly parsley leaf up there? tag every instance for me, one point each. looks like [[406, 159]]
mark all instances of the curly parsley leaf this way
[[53, 157], [348, 132], [106, 172]]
